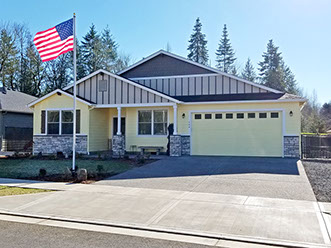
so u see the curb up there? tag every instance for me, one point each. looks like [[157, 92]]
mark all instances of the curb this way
[[224, 237]]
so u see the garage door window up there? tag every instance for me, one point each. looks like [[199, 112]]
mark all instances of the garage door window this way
[[262, 115], [274, 115], [208, 116], [251, 115], [197, 116], [218, 116], [229, 116], [240, 116]]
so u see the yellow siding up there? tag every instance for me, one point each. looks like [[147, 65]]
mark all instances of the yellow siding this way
[[99, 130], [132, 137], [59, 102]]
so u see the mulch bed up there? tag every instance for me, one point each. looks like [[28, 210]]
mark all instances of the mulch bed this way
[[319, 175]]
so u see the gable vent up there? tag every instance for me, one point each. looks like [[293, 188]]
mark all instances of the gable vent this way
[[103, 85]]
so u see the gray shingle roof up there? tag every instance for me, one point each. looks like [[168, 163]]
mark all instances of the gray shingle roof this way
[[15, 101]]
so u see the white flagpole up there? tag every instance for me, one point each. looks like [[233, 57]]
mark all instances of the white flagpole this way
[[74, 127]]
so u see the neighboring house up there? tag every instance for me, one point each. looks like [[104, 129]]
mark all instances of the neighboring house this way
[[213, 113], [16, 120]]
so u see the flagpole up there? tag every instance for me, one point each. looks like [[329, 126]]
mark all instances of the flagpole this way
[[74, 114]]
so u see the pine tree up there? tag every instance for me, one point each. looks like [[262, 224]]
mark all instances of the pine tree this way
[[225, 56], [198, 45], [290, 83], [249, 72], [92, 50], [109, 50], [271, 71], [234, 70]]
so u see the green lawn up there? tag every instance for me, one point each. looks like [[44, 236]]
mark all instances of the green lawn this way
[[29, 168], [5, 190]]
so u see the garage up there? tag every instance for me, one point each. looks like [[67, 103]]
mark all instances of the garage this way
[[237, 133]]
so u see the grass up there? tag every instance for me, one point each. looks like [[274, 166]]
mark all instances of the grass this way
[[5, 190], [29, 168], [319, 175]]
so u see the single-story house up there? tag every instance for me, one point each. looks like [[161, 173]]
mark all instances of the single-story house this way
[[166, 102], [16, 120]]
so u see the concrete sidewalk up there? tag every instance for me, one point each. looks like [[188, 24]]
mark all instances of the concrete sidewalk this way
[[268, 220]]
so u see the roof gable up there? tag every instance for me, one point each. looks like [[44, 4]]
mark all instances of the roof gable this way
[[164, 64], [103, 87]]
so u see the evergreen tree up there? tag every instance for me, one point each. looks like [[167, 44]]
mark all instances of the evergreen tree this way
[[249, 72], [8, 59], [92, 50], [234, 70], [289, 80], [271, 71], [109, 48], [225, 56], [198, 45]]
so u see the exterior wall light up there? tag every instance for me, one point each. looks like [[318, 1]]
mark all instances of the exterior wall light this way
[[183, 115], [291, 113]]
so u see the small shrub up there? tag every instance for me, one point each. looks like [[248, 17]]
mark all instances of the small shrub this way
[[100, 169], [42, 172], [99, 155], [53, 157]]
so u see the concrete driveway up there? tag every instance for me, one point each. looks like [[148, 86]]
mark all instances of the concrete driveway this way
[[262, 177]]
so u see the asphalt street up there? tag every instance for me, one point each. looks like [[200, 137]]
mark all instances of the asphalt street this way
[[19, 235]]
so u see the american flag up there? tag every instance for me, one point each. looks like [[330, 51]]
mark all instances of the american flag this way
[[55, 41]]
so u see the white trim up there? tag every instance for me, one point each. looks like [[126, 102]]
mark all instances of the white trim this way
[[196, 64], [55, 92], [135, 105], [177, 76], [240, 110], [119, 118], [152, 122], [60, 120], [245, 101], [127, 81]]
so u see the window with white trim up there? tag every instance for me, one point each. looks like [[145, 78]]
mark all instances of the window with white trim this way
[[61, 122], [53, 121], [152, 122]]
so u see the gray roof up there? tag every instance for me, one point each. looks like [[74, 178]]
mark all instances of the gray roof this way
[[15, 101]]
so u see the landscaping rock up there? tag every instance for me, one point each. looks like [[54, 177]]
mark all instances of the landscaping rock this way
[[81, 175]]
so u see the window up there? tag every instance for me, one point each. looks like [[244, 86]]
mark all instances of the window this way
[[197, 116], [53, 120], [240, 116], [62, 122], [160, 122], [229, 116], [145, 122], [262, 115], [67, 122], [218, 116], [251, 115], [152, 122], [207, 116], [274, 115]]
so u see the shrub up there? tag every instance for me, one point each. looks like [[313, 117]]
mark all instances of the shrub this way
[[42, 172], [100, 169]]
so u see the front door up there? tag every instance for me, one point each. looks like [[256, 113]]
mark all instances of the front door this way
[[122, 125]]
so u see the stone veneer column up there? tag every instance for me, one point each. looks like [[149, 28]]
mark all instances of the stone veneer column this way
[[118, 145], [186, 145], [175, 145], [291, 146]]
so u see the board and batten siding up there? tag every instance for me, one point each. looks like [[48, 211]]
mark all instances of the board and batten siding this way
[[199, 85], [116, 91]]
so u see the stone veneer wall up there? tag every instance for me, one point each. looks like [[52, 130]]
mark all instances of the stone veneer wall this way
[[51, 144], [291, 146], [118, 145]]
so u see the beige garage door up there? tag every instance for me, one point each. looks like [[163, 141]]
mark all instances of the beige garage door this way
[[237, 134]]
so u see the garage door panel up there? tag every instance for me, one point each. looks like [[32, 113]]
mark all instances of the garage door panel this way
[[237, 137]]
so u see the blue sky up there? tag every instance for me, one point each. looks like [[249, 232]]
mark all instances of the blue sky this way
[[301, 28]]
